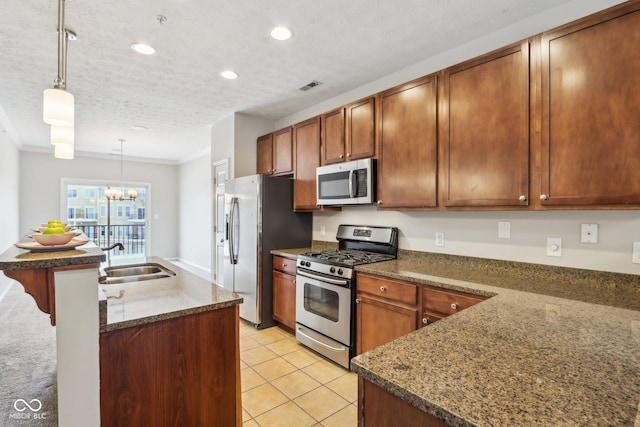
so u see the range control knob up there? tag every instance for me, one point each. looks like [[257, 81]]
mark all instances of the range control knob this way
[[332, 270], [340, 271], [307, 263], [302, 263]]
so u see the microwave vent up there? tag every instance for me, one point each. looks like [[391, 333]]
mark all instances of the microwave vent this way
[[310, 85]]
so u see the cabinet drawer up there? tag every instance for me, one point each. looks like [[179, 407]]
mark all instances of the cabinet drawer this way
[[286, 265], [447, 302], [391, 289]]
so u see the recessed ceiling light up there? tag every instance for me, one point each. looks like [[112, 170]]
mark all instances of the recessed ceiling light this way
[[139, 127], [143, 48], [281, 33], [228, 74]]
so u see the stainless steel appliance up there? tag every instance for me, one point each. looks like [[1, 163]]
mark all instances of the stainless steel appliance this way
[[348, 183], [259, 218], [325, 288]]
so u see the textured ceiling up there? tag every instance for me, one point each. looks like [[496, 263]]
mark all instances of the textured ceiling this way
[[178, 92]]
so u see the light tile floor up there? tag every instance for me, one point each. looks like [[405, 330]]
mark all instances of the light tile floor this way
[[285, 384]]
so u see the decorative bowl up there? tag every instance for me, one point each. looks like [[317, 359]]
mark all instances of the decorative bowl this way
[[53, 239]]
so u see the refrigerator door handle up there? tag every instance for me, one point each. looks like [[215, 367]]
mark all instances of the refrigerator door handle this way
[[232, 235]]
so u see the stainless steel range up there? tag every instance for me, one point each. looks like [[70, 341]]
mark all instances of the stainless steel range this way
[[325, 288]]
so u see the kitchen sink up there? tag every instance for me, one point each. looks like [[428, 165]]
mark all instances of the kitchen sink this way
[[134, 273]]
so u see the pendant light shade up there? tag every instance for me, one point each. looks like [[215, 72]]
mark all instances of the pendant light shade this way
[[63, 151], [58, 107], [62, 135]]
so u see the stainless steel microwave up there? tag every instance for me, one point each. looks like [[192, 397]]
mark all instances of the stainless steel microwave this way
[[348, 183]]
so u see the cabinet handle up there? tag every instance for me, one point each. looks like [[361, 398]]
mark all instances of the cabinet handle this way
[[383, 288], [341, 156], [357, 300], [543, 197], [425, 320], [454, 306], [522, 198]]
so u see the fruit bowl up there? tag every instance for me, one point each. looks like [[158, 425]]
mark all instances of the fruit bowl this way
[[53, 239]]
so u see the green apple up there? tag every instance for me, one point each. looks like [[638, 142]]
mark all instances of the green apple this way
[[55, 229]]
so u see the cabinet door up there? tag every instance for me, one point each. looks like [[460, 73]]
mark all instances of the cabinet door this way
[[407, 166], [284, 299], [361, 121], [264, 155], [591, 111], [485, 130], [333, 137], [306, 136], [379, 322], [282, 152]]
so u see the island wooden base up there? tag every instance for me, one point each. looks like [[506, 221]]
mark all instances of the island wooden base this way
[[379, 408], [177, 372]]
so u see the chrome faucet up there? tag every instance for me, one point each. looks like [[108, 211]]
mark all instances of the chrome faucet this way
[[115, 245]]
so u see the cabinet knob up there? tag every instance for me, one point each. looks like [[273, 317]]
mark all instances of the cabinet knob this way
[[379, 202], [341, 156], [348, 154], [425, 320], [522, 198], [454, 306], [284, 264], [543, 197], [383, 288], [357, 300]]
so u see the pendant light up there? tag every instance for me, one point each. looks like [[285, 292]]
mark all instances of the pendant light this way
[[58, 107], [114, 193]]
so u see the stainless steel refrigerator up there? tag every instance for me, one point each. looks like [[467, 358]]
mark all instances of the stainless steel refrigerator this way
[[259, 218]]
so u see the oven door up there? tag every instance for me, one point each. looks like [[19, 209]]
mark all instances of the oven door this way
[[324, 307]]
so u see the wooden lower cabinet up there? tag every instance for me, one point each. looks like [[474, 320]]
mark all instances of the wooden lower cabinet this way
[[176, 372], [385, 310], [379, 408], [284, 299], [438, 303]]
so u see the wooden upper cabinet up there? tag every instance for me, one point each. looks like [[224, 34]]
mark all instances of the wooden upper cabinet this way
[[408, 149], [333, 137], [306, 139], [484, 124], [591, 111], [360, 131], [265, 154], [348, 133], [282, 152]]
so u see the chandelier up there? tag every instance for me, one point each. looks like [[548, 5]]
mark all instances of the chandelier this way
[[58, 104], [114, 193]]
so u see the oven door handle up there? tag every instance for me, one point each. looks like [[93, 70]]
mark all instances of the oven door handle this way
[[341, 348], [339, 282]]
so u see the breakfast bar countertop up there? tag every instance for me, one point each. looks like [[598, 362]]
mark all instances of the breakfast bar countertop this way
[[137, 303], [525, 356]]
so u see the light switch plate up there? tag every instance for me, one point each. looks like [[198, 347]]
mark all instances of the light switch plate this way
[[554, 246], [636, 253], [589, 233], [504, 229], [439, 239]]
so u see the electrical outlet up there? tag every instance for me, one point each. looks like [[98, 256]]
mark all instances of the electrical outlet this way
[[635, 258], [439, 239], [554, 246], [323, 230], [589, 233], [504, 229]]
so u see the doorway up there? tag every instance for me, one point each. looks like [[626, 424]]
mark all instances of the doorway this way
[[220, 174]]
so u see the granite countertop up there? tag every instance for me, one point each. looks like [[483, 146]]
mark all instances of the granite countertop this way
[[553, 346], [160, 299], [21, 259]]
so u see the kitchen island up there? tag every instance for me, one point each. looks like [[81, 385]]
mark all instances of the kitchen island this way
[[552, 346], [167, 349]]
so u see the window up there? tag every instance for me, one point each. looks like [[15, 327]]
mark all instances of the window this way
[[74, 212], [72, 193], [120, 211], [89, 193], [140, 214], [90, 212], [103, 211]]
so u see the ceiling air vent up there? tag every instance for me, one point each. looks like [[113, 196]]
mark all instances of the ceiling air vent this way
[[310, 85]]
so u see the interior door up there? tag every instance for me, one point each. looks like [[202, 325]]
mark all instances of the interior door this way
[[220, 175]]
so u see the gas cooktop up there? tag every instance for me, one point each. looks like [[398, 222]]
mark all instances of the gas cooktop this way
[[347, 257]]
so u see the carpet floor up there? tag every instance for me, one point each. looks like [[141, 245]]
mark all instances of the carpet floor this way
[[28, 395]]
